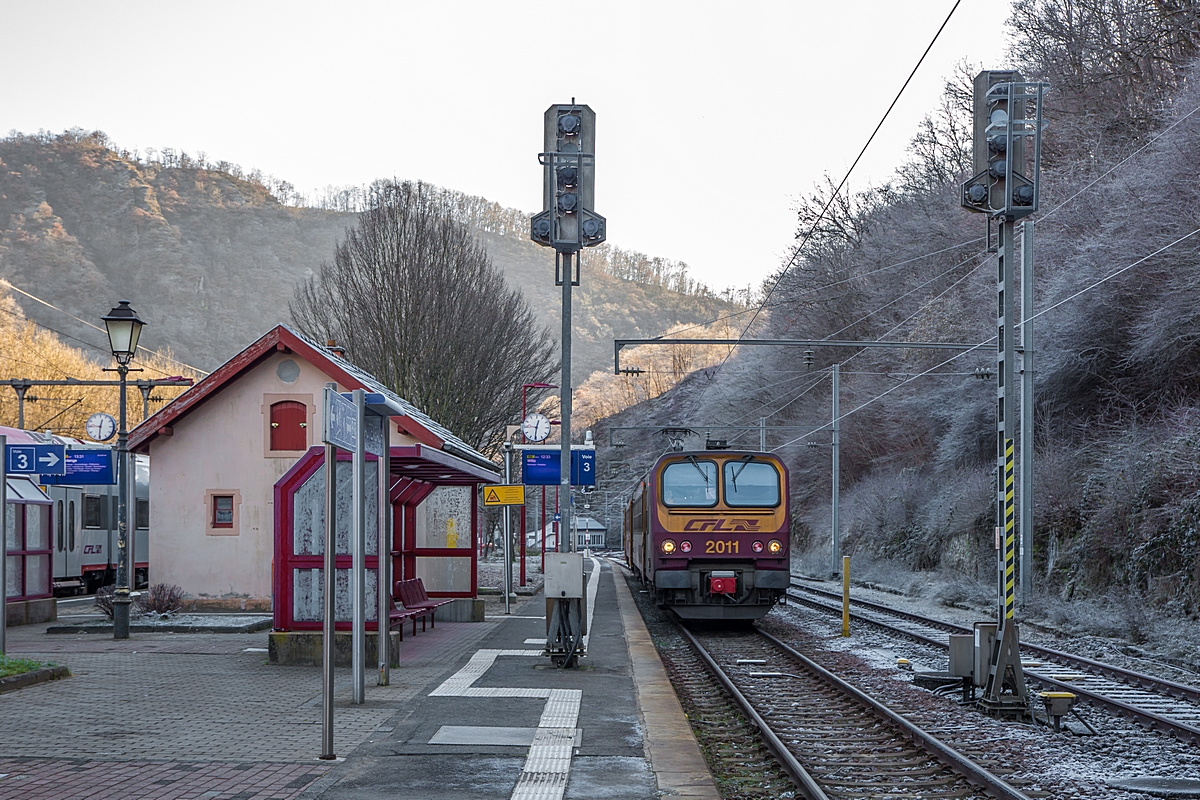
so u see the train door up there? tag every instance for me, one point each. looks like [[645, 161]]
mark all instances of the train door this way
[[71, 540]]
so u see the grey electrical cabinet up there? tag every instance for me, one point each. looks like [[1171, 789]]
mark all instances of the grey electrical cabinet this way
[[985, 642], [564, 575]]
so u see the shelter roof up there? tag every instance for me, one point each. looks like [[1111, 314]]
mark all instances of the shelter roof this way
[[285, 339]]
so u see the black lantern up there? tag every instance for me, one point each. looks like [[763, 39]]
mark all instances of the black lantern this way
[[124, 328]]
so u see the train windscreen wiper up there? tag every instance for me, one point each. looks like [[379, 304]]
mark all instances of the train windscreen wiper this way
[[733, 476], [699, 469]]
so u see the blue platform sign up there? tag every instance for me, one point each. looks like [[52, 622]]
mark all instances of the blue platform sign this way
[[541, 467], [96, 467], [341, 421], [35, 459]]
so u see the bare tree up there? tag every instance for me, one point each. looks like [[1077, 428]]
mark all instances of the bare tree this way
[[416, 301]]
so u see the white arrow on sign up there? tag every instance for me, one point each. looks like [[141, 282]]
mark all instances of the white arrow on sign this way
[[49, 459]]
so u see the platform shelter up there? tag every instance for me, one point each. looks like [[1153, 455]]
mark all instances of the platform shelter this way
[[434, 531]]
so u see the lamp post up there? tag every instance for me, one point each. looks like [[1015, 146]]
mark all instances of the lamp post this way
[[124, 327]]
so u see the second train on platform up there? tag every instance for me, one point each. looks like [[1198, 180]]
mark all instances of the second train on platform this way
[[707, 531]]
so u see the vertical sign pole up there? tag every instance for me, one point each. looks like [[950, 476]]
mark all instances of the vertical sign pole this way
[[507, 517], [131, 524], [522, 545], [845, 595], [383, 549], [3, 542], [762, 434], [359, 546], [564, 462], [1004, 425], [543, 530], [1026, 526], [837, 470], [327, 644]]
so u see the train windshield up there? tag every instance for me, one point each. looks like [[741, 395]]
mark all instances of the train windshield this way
[[690, 483], [751, 483]]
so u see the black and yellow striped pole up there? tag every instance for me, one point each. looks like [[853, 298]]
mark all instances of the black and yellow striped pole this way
[[1010, 536]]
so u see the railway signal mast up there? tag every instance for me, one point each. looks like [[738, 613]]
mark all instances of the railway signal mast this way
[[1007, 188], [568, 224]]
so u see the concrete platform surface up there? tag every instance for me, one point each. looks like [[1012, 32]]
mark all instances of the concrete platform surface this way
[[473, 710]]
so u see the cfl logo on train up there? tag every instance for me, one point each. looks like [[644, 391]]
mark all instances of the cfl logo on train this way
[[723, 526]]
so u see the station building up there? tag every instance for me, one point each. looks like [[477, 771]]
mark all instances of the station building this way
[[223, 452]]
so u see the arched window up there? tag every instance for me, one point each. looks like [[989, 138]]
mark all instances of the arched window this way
[[289, 419]]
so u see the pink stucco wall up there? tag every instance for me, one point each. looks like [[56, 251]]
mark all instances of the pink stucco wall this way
[[221, 448]]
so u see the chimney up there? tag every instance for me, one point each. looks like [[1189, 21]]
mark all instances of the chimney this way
[[332, 345]]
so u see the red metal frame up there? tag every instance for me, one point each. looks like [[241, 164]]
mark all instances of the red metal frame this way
[[21, 553], [405, 495]]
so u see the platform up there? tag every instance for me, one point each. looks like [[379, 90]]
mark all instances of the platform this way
[[503, 722], [473, 710]]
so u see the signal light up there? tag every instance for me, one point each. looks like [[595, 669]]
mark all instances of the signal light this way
[[977, 193], [568, 202], [668, 546], [592, 229], [1023, 196], [567, 176], [775, 546], [569, 124], [757, 547], [685, 546]]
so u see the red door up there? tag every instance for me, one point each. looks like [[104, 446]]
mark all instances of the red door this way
[[289, 421]]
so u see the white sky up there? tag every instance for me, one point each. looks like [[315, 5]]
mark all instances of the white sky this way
[[711, 116]]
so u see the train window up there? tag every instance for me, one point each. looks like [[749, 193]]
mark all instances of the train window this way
[[222, 511], [751, 483], [71, 525], [59, 516], [690, 483], [143, 513], [94, 508]]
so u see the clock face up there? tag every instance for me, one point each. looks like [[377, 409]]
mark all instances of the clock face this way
[[101, 427], [535, 427]]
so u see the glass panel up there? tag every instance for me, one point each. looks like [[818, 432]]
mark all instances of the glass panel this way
[[308, 511], [93, 511], [59, 516], [37, 532], [37, 575], [143, 513], [12, 575], [222, 510], [12, 537], [444, 518], [308, 595], [751, 483], [690, 483], [449, 574]]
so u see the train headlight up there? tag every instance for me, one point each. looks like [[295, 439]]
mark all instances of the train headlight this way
[[668, 546], [775, 546], [757, 547], [685, 546]]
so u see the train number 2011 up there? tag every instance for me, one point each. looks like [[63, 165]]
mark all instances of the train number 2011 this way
[[721, 546]]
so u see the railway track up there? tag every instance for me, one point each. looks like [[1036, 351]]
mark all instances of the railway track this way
[[1156, 703], [833, 740]]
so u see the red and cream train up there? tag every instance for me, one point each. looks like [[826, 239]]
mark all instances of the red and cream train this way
[[707, 532]]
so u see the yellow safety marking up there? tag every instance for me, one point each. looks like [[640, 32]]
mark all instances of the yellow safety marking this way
[[1010, 559], [504, 495]]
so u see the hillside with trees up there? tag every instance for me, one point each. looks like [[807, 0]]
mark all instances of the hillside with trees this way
[[1117, 333], [210, 254]]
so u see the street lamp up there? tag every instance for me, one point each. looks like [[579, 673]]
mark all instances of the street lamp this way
[[124, 327]]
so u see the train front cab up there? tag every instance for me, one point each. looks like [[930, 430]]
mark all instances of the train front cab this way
[[720, 543]]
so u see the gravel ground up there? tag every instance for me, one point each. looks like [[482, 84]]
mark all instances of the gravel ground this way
[[1064, 765], [1106, 629]]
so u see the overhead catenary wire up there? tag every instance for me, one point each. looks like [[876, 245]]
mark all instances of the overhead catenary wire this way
[[989, 341], [833, 196], [19, 290]]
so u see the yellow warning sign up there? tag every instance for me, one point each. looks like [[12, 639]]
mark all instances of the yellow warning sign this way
[[504, 495]]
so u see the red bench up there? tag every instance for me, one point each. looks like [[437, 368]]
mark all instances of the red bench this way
[[412, 594], [397, 616]]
